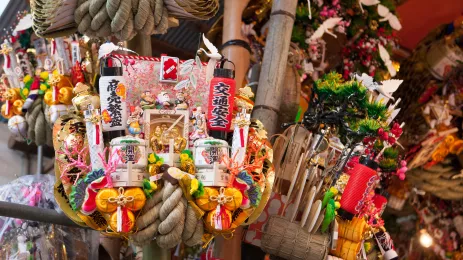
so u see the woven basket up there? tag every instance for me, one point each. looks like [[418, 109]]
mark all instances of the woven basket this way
[[288, 240]]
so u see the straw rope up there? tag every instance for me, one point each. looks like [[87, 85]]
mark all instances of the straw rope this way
[[172, 216], [194, 228], [438, 180], [38, 130], [148, 222], [123, 18]]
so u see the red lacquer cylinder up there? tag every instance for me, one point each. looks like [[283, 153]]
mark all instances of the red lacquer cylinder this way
[[220, 105], [361, 182]]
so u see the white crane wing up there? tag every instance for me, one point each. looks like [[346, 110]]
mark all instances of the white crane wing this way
[[209, 45]]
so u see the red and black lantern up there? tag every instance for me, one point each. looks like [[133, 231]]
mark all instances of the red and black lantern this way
[[361, 182], [221, 98]]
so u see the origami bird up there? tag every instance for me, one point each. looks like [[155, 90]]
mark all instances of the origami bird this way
[[214, 57], [367, 3], [387, 60], [109, 47], [386, 88], [325, 27], [390, 17]]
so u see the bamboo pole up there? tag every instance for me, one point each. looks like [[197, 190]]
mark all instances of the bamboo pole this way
[[271, 81], [230, 249], [233, 10]]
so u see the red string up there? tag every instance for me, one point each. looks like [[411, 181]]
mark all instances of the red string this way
[[242, 136], [8, 61], [97, 133]]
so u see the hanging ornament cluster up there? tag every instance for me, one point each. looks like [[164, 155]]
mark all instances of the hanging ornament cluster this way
[[123, 163], [37, 86]]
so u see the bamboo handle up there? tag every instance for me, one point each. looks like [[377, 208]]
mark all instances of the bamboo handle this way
[[299, 193], [293, 182]]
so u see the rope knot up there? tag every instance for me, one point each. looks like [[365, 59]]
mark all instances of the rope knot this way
[[221, 198], [121, 199]]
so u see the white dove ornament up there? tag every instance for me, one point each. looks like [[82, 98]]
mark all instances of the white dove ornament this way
[[324, 28], [390, 17], [367, 81], [109, 47], [387, 60], [214, 57], [367, 3], [387, 87]]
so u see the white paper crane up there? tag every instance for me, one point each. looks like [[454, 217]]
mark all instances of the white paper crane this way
[[386, 88], [387, 60], [390, 17], [214, 57], [325, 27], [367, 3], [109, 47]]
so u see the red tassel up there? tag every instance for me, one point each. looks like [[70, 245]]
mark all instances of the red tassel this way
[[54, 47], [8, 61], [242, 136], [97, 133], [125, 220], [224, 218]]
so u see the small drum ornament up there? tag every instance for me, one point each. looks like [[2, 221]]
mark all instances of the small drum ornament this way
[[208, 155]]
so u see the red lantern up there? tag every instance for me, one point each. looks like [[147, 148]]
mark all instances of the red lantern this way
[[361, 182], [380, 202], [221, 96]]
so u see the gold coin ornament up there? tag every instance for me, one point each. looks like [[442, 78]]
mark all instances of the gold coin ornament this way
[[139, 198], [204, 202], [102, 203], [235, 202]]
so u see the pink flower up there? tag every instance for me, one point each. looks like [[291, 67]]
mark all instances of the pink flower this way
[[324, 11]]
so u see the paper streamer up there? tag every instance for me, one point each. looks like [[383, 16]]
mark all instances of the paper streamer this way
[[61, 55], [240, 137], [94, 136]]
